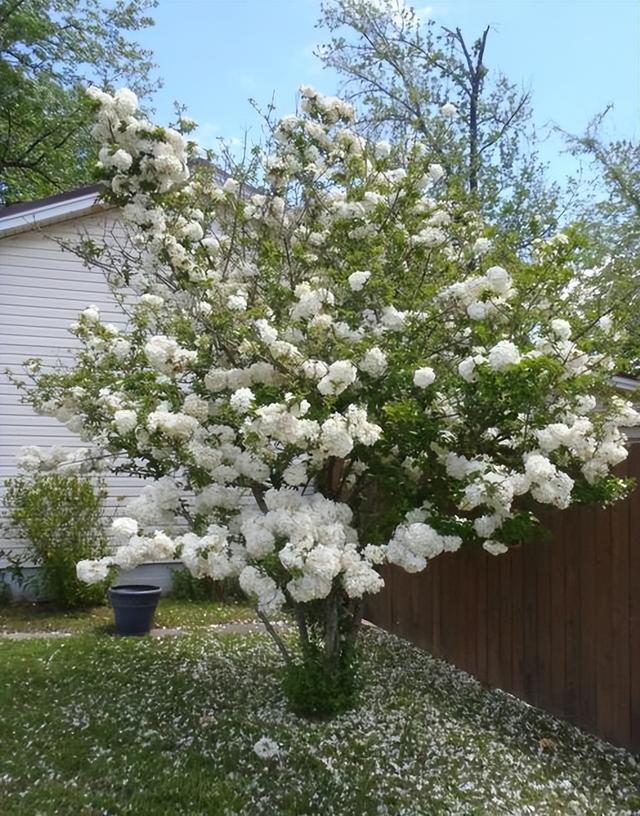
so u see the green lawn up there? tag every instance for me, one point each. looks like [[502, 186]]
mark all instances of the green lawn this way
[[99, 726], [170, 613]]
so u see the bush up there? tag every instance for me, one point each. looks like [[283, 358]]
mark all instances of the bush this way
[[60, 519], [316, 689], [5, 590], [187, 588]]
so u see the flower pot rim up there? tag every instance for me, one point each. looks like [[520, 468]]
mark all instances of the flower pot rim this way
[[135, 589]]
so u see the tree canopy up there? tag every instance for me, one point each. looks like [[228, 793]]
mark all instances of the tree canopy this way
[[407, 76], [338, 370], [49, 51]]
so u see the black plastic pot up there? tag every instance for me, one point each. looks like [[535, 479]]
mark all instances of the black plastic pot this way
[[134, 606]]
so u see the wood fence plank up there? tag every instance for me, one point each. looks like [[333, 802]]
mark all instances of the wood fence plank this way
[[634, 601], [452, 610], [530, 621], [621, 723], [470, 589], [558, 612], [587, 567], [437, 578], [517, 625], [573, 622], [506, 606], [543, 634], [426, 608], [493, 620], [481, 616], [604, 630]]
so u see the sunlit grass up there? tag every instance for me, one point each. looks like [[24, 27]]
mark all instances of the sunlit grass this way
[[171, 613]]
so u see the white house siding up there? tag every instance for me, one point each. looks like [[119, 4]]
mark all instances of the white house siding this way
[[42, 290]]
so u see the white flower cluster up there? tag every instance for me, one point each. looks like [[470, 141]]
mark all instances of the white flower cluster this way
[[414, 544], [161, 161], [481, 296], [157, 504], [314, 541], [58, 459], [166, 355]]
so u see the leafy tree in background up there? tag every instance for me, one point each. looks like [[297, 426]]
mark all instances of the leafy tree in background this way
[[609, 220], [409, 78], [49, 51]]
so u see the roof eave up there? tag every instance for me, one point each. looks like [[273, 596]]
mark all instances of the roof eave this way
[[50, 211]]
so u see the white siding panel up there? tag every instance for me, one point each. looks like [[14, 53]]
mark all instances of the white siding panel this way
[[42, 289]]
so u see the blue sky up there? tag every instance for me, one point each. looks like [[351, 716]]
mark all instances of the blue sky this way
[[576, 56]]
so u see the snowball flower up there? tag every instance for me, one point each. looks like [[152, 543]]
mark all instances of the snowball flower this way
[[266, 748], [121, 160], [91, 314], [262, 588], [435, 172], [241, 400], [173, 425], [151, 301], [166, 355], [503, 355], [467, 368], [124, 528], [605, 323], [314, 369], [92, 572], [126, 102], [498, 279], [495, 547], [237, 302], [231, 186], [340, 376], [335, 439], [357, 280], [481, 246], [423, 377], [296, 474], [374, 362], [196, 407], [561, 328], [125, 421]]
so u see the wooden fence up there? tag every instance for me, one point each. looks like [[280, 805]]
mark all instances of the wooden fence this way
[[556, 622]]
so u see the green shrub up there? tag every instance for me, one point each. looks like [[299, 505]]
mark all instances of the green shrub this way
[[60, 519], [5, 590], [187, 588], [317, 690]]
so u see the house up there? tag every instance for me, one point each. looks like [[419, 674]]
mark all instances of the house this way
[[43, 287]]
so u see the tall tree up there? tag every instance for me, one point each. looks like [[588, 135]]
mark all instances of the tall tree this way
[[49, 51], [318, 379], [609, 219], [409, 77]]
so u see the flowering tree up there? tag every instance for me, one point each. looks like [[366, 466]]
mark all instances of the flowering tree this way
[[328, 374]]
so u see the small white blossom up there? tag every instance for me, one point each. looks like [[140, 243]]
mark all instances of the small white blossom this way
[[495, 547], [374, 363], [241, 400], [266, 748], [357, 280], [424, 377]]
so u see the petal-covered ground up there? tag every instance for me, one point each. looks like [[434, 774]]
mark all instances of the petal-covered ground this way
[[99, 726]]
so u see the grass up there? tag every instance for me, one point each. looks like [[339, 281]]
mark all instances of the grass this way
[[92, 725], [25, 617]]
